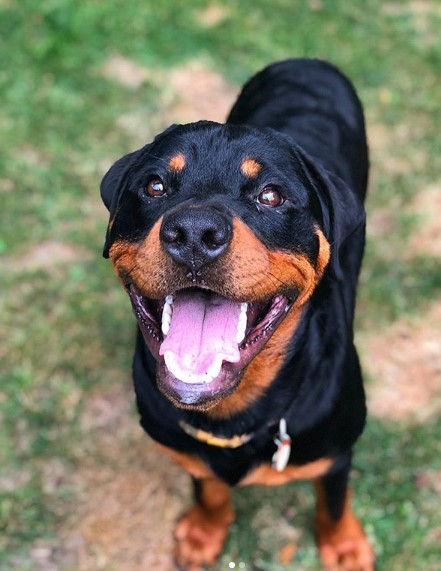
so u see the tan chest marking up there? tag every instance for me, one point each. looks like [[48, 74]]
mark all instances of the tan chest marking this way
[[268, 476], [192, 464]]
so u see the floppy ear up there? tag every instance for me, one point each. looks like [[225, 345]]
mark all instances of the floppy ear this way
[[112, 187], [113, 182], [341, 212]]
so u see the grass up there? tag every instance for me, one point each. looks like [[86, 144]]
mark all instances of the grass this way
[[391, 502], [66, 327]]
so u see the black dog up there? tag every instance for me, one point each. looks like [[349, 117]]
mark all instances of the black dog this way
[[240, 247]]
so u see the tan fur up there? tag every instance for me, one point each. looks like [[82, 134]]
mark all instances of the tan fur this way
[[147, 264], [342, 544], [268, 476], [250, 167], [200, 534], [177, 162], [247, 271], [191, 463]]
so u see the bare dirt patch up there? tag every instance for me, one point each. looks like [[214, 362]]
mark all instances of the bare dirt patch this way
[[423, 7], [186, 93], [129, 495], [430, 479], [126, 71], [212, 15], [427, 207], [47, 255], [199, 93], [385, 144], [424, 19], [404, 362]]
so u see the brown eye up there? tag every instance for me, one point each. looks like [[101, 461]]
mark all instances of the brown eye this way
[[270, 196], [155, 187]]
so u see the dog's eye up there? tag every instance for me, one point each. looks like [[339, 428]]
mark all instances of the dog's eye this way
[[155, 187], [270, 196]]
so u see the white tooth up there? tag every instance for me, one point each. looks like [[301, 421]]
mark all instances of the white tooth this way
[[165, 326], [240, 335], [167, 309], [167, 314], [214, 370], [242, 323]]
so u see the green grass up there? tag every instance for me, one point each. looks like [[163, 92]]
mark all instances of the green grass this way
[[66, 328], [399, 515], [395, 287]]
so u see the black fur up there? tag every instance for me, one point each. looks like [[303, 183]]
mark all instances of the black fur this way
[[305, 122]]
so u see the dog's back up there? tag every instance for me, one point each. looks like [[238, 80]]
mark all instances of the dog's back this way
[[316, 105]]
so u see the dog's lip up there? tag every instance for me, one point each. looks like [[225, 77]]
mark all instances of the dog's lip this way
[[198, 395], [264, 317]]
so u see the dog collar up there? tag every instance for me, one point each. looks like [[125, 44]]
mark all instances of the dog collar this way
[[213, 440], [282, 440]]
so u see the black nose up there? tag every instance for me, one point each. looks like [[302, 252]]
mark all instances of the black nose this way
[[195, 236]]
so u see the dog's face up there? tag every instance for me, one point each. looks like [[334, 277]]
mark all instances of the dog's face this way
[[218, 233]]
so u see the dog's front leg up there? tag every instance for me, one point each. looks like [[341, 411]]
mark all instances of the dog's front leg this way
[[200, 534], [341, 540]]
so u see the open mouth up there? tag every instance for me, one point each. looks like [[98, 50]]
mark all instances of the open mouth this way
[[203, 341]]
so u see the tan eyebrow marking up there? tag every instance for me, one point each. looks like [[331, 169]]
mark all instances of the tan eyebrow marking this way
[[177, 162], [250, 167]]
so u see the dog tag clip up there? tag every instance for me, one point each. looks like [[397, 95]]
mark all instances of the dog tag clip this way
[[283, 442]]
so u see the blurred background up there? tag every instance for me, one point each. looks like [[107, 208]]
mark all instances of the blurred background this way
[[84, 82]]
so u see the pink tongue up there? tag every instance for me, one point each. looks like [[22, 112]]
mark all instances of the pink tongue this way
[[202, 334]]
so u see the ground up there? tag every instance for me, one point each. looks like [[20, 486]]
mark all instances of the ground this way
[[82, 487], [129, 494]]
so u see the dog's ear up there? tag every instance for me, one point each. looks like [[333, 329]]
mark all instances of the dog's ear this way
[[115, 180], [340, 211], [112, 184], [112, 187]]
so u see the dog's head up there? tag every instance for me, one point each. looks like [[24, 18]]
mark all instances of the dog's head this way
[[218, 232]]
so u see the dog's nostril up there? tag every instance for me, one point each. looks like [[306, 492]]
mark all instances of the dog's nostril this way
[[174, 235], [213, 239]]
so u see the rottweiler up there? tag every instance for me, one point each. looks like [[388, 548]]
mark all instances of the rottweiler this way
[[240, 245]]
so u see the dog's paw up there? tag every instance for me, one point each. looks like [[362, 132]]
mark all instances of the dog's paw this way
[[200, 536], [344, 546], [347, 555]]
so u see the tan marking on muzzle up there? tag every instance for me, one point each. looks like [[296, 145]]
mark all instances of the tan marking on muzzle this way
[[260, 274], [255, 272], [147, 263]]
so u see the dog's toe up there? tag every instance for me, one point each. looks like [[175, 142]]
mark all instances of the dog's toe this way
[[200, 538]]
